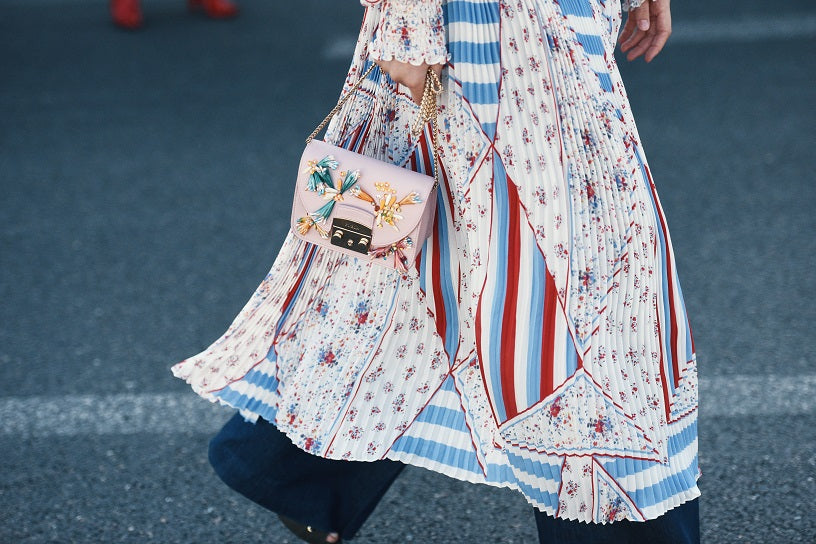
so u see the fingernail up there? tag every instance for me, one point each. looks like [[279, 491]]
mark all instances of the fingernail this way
[[643, 24]]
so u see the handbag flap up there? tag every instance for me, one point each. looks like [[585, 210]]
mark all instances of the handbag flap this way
[[395, 196]]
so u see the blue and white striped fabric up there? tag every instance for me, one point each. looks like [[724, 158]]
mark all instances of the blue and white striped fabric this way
[[475, 50]]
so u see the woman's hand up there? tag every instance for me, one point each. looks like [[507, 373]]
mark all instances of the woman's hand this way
[[646, 30], [409, 75]]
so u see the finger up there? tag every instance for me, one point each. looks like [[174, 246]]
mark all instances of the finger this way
[[656, 46], [642, 46], [633, 40], [663, 29], [415, 81], [628, 29], [383, 64], [641, 23], [642, 16]]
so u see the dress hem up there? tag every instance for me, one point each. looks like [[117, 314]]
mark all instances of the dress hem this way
[[427, 464]]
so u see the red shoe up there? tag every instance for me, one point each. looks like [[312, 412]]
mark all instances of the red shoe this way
[[126, 14], [214, 9]]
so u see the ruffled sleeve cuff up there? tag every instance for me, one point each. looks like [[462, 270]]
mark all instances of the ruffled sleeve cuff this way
[[410, 31], [629, 5]]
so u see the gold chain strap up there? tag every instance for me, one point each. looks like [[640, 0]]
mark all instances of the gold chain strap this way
[[343, 100], [427, 112]]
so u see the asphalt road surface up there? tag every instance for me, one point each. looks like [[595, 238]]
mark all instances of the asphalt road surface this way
[[145, 183]]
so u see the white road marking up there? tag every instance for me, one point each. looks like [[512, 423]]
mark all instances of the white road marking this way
[[126, 413], [744, 30], [753, 29], [171, 413]]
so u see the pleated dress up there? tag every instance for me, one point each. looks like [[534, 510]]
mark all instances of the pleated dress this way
[[540, 341]]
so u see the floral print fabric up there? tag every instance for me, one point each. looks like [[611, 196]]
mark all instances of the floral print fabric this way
[[410, 31]]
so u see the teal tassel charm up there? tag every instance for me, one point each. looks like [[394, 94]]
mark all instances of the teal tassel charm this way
[[335, 194], [319, 176]]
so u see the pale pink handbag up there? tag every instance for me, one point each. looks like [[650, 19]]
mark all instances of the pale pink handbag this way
[[362, 206]]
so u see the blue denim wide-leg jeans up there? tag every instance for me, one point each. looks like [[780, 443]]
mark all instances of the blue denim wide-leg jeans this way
[[261, 463]]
